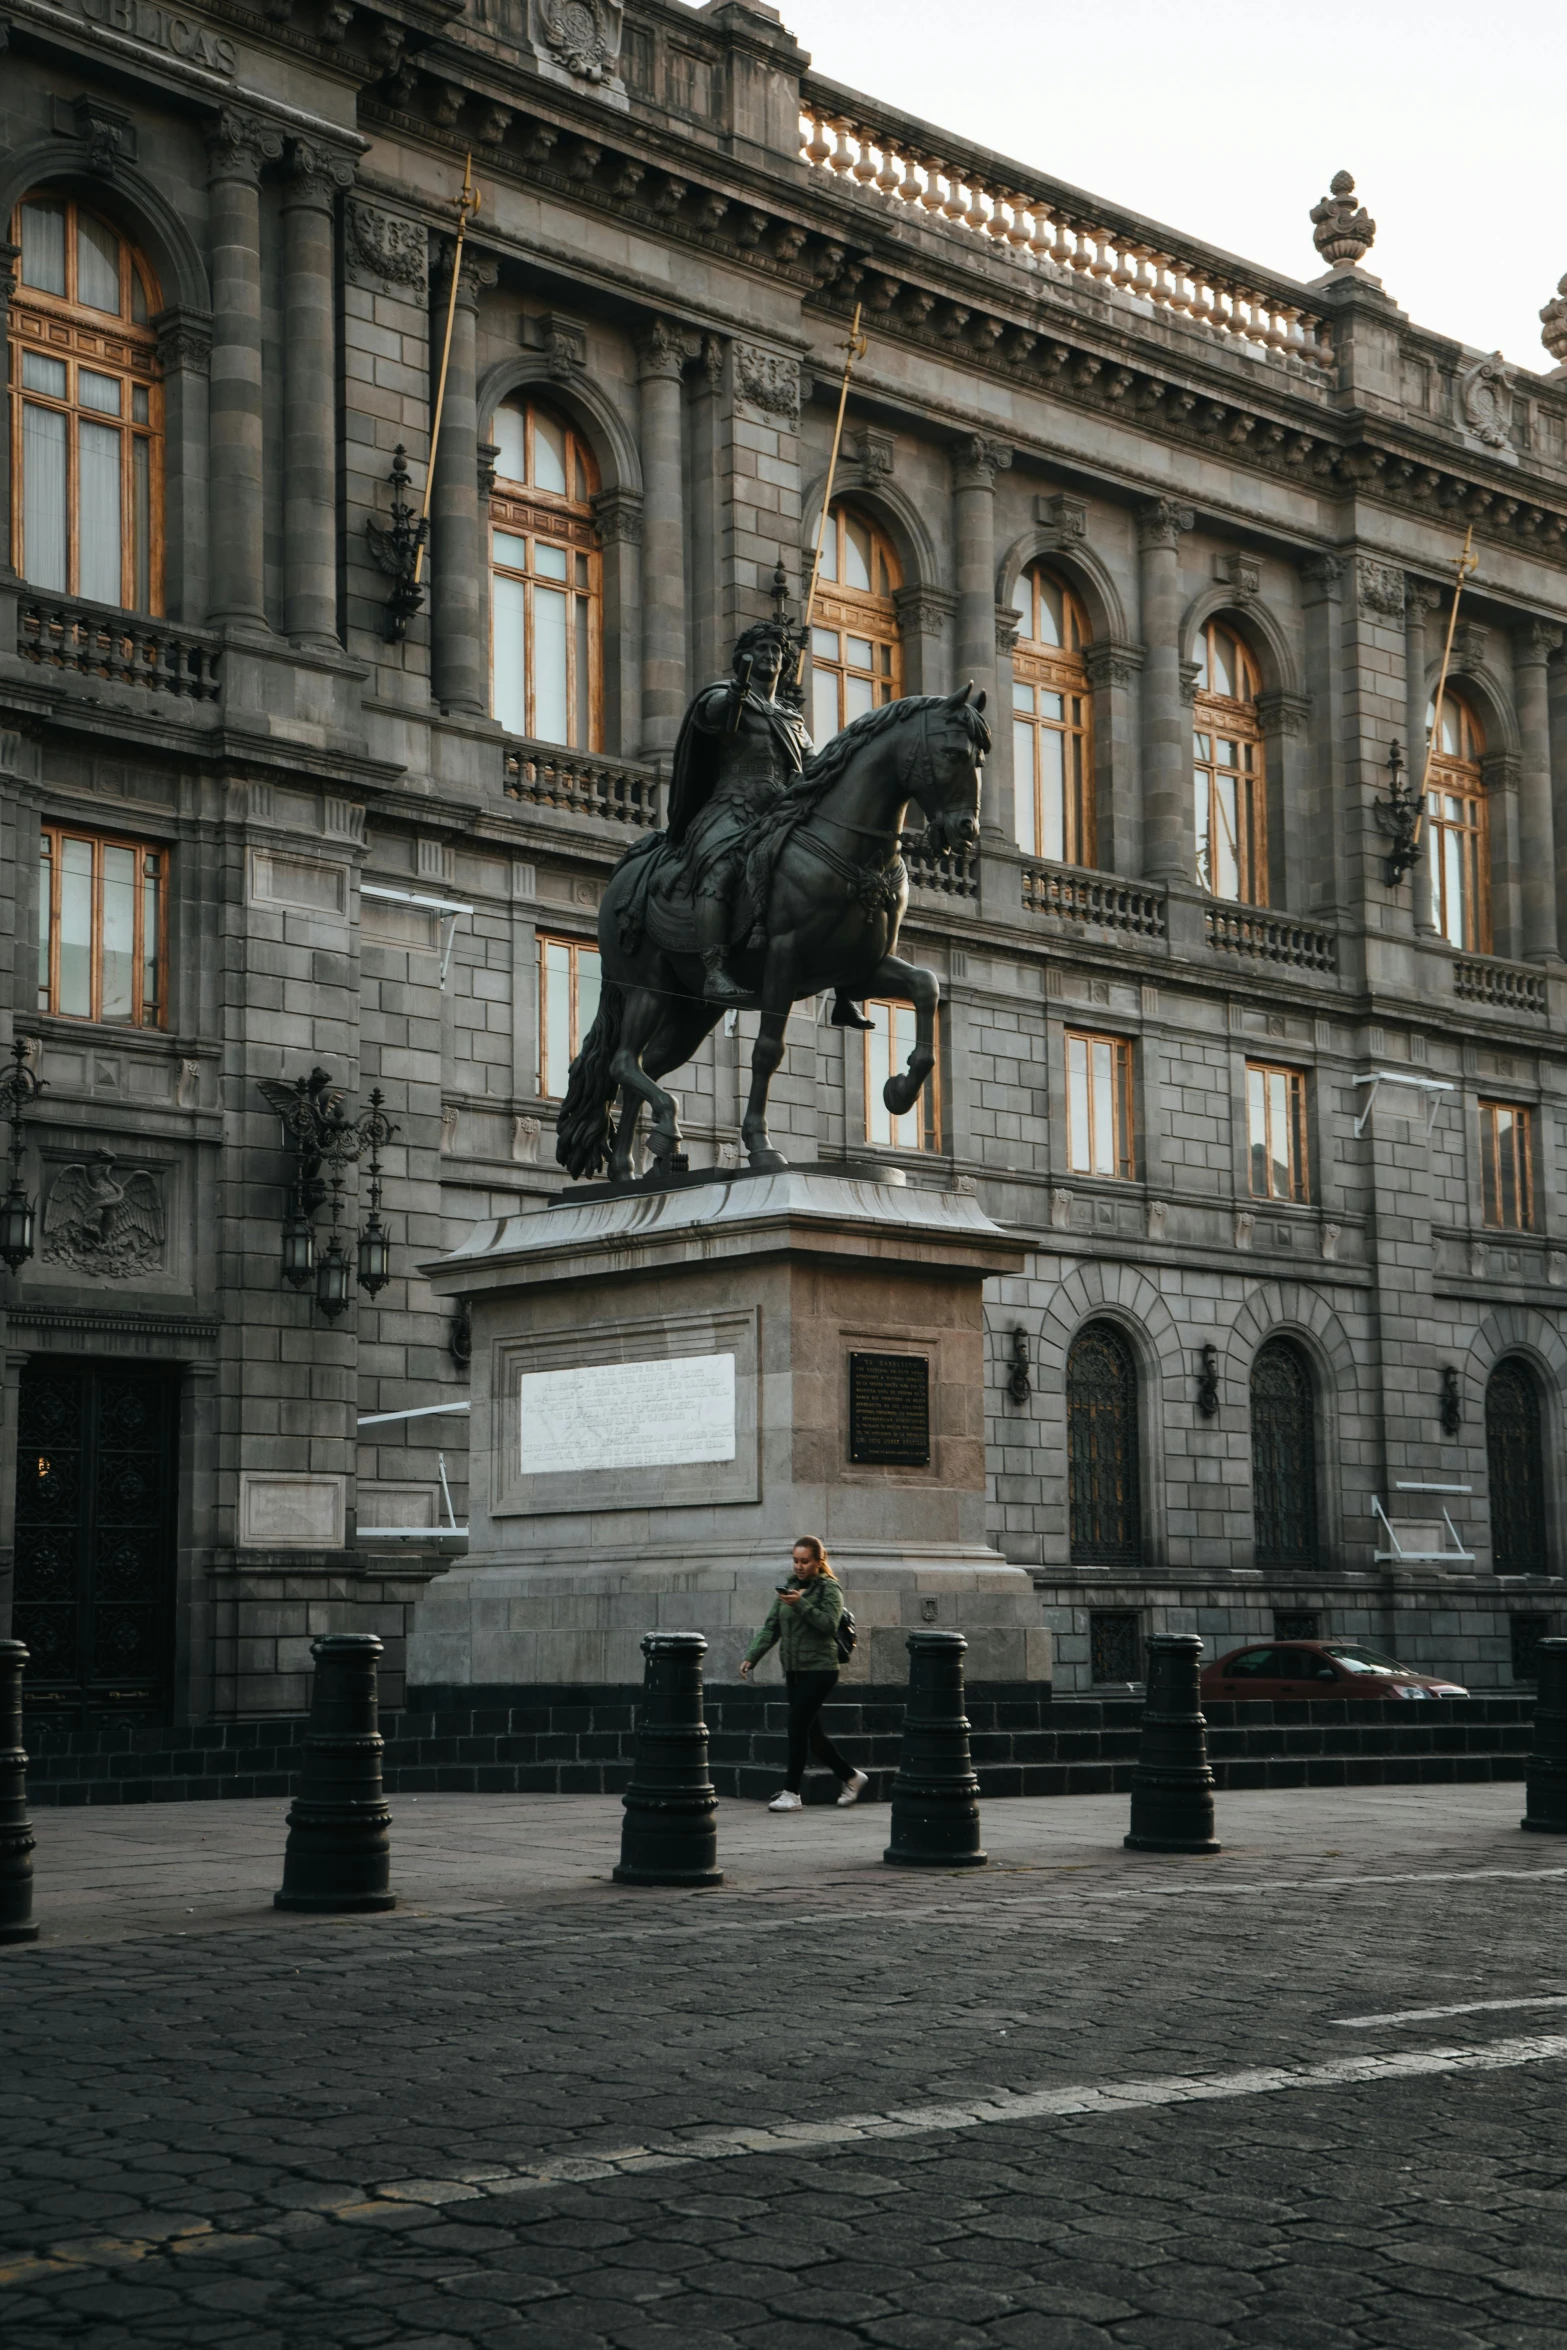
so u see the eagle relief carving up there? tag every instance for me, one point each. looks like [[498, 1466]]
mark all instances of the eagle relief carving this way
[[100, 1221]]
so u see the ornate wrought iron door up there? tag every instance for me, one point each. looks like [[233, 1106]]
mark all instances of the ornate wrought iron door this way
[[1283, 1457], [1515, 1456], [95, 1490], [1102, 1469]]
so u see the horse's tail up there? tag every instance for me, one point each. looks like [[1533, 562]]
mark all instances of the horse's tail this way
[[582, 1130]]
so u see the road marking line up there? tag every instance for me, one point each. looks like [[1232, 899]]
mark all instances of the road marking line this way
[[1432, 2015]]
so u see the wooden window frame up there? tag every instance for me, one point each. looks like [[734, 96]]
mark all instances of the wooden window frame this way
[[1123, 1131], [575, 949], [1459, 776], [1298, 1152], [847, 612], [1233, 719], [1491, 1156], [568, 523], [52, 836], [52, 326], [927, 1110], [1038, 668]]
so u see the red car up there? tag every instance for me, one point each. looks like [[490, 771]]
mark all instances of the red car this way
[[1318, 1668]]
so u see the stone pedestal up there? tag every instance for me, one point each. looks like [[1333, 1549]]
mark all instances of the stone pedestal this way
[[662, 1388]]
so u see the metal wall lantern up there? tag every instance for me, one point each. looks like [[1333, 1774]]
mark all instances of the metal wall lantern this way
[[19, 1089], [326, 1143]]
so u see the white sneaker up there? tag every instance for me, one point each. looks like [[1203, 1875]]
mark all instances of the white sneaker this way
[[854, 1788], [787, 1801]]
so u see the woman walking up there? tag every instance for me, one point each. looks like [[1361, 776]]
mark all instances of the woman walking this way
[[803, 1622]]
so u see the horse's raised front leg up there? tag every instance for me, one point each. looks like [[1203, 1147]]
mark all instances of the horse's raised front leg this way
[[913, 983], [766, 1054]]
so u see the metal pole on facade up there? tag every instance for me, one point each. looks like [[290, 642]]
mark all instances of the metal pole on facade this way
[[855, 348], [468, 202]]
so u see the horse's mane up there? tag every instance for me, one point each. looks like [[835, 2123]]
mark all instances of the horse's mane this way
[[824, 767]]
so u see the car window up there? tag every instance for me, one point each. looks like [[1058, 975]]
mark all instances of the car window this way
[[1302, 1664], [1253, 1664], [1366, 1660]]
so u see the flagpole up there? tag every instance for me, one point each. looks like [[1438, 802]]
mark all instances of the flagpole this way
[[468, 202]]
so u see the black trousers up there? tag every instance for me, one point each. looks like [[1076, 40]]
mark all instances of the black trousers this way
[[808, 1693]]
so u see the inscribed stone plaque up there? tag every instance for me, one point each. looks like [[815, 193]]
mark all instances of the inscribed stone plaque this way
[[627, 1415], [889, 1410]]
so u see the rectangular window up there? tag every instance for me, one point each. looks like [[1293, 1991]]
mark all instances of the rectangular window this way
[[1457, 860], [100, 928], [887, 1048], [1506, 1173], [568, 1006], [544, 635], [1099, 1105], [1229, 815], [1276, 1132]]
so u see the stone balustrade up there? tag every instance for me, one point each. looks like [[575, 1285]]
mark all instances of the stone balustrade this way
[[1273, 938], [951, 875], [548, 776], [1043, 229], [1097, 900], [1500, 987], [126, 648]]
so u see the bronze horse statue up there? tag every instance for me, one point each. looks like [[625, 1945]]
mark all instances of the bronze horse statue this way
[[830, 895]]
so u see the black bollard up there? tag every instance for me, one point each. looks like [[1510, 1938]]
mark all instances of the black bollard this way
[[935, 1796], [16, 1829], [1545, 1773], [670, 1832], [338, 1855], [1172, 1788]]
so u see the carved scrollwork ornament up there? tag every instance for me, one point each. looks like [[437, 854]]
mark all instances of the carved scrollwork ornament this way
[[1380, 588], [582, 35], [769, 380], [1553, 324], [1485, 393], [390, 247]]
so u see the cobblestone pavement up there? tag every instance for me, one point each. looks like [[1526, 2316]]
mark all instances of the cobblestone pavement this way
[[1308, 2092]]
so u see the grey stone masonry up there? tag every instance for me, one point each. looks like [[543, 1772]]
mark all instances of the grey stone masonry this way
[[1313, 1204]]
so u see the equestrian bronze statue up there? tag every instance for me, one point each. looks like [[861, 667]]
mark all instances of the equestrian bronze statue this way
[[778, 878]]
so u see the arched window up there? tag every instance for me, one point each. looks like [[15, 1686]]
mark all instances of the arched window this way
[[1515, 1457], [1458, 854], [856, 653], [545, 579], [1228, 789], [1283, 1456], [1102, 1467], [1052, 723], [87, 427]]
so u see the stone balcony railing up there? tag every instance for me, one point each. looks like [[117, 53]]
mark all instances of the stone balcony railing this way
[[1500, 987], [1134, 909], [1052, 230], [1280, 939], [618, 791], [952, 875], [125, 648]]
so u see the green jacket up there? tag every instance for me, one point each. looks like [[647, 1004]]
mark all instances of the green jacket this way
[[805, 1633]]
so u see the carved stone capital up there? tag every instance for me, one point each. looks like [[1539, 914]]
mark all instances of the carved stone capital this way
[[1111, 663], [661, 352], [977, 461], [1008, 622], [1536, 641], [1501, 771], [184, 342], [1190, 673], [476, 276], [769, 380], [923, 611], [1283, 713], [315, 175], [1379, 589], [388, 246], [1161, 522], [1420, 600], [10, 259], [239, 145], [1324, 575], [618, 513]]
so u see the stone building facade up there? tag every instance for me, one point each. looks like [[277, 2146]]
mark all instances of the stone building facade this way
[[1290, 1137]]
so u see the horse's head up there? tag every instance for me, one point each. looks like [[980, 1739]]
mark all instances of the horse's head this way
[[945, 777]]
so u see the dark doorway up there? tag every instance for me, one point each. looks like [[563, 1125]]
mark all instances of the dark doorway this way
[[95, 1491], [1515, 1457], [1283, 1456], [1102, 1470]]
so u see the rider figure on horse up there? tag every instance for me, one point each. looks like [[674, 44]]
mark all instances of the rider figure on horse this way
[[741, 744]]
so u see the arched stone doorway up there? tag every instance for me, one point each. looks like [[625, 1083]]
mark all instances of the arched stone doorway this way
[[1283, 1456], [1515, 1457], [1102, 1448]]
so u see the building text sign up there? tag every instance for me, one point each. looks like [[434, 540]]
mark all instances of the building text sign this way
[[158, 28], [652, 1415]]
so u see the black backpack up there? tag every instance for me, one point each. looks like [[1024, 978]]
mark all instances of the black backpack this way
[[846, 1634]]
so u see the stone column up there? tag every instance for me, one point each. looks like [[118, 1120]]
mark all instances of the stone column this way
[[661, 360], [1420, 602], [976, 462], [1533, 645], [1168, 838], [10, 255], [313, 182], [1556, 682], [457, 550], [236, 151]]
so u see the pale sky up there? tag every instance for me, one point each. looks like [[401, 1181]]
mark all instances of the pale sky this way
[[1229, 122]]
